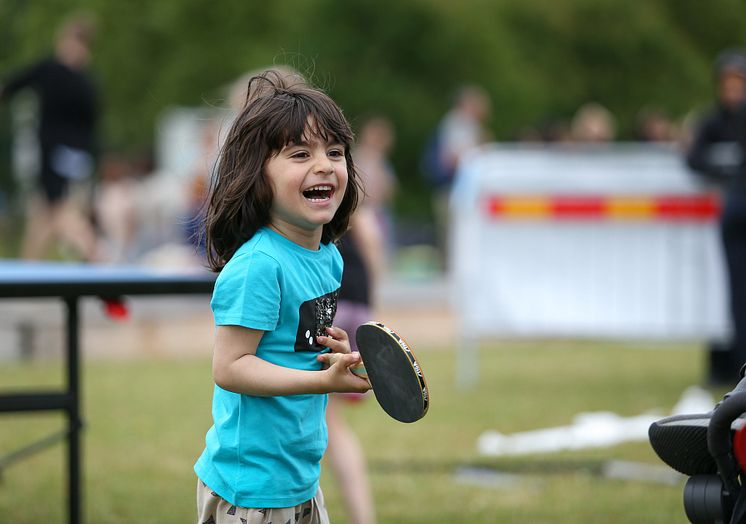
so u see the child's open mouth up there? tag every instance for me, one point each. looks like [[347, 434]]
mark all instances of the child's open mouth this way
[[318, 193]]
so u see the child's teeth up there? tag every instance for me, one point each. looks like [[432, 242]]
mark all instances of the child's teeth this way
[[311, 193]]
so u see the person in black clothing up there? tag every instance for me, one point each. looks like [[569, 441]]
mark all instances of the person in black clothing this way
[[68, 111], [362, 251], [717, 154]]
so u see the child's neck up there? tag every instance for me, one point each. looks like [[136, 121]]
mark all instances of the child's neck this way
[[309, 239]]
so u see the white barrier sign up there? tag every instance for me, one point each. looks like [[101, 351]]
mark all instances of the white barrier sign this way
[[611, 242]]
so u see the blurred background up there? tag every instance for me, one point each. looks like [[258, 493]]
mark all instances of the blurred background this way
[[538, 62], [548, 243]]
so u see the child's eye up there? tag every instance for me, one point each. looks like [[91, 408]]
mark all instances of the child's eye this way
[[336, 153], [299, 154]]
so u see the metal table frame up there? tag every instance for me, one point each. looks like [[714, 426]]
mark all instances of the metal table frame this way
[[71, 282]]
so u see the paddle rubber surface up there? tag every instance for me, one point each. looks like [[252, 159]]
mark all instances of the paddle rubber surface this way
[[393, 371]]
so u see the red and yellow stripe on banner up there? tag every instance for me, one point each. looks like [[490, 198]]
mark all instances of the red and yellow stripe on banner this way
[[677, 208]]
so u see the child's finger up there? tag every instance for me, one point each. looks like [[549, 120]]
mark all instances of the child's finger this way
[[337, 346], [348, 359], [351, 363], [337, 333], [332, 358]]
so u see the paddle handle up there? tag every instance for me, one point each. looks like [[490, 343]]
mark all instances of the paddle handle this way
[[358, 369]]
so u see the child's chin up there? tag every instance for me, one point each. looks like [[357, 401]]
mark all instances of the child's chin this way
[[325, 218]]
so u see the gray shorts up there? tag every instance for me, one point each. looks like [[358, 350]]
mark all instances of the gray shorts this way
[[212, 509]]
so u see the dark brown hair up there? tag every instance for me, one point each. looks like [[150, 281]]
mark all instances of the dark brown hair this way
[[279, 105]]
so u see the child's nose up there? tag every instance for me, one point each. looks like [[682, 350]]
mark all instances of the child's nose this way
[[323, 164]]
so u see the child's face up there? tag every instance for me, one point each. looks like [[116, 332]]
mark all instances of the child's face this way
[[308, 182]]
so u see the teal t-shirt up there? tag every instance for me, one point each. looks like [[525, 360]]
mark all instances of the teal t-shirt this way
[[265, 452]]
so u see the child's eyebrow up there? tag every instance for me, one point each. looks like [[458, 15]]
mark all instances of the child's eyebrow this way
[[305, 143]]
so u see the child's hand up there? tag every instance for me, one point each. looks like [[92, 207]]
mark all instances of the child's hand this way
[[337, 340], [340, 378]]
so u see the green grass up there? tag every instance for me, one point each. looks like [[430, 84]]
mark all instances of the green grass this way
[[146, 421]]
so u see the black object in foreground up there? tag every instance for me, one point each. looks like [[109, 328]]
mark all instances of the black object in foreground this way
[[681, 442], [705, 447], [393, 371]]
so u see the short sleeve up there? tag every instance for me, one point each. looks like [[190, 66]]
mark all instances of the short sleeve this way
[[247, 292]]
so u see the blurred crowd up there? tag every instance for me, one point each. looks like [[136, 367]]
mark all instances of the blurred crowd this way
[[103, 205], [134, 211], [594, 123]]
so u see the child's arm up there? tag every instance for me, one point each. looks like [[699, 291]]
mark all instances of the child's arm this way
[[235, 367]]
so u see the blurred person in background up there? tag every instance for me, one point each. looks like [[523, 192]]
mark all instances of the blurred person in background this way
[[653, 125], [556, 131], [199, 181], [717, 154], [115, 209], [68, 113], [593, 123], [371, 153], [362, 252], [460, 131]]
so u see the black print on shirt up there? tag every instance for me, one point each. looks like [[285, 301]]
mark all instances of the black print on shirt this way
[[314, 317]]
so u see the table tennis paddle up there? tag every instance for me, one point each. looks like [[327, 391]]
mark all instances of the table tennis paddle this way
[[393, 372]]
